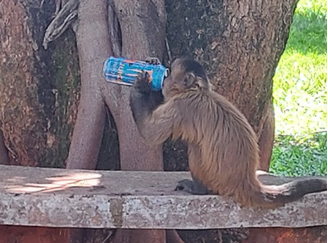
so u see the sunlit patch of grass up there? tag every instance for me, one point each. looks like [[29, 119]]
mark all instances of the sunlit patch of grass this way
[[300, 96], [300, 156], [308, 28]]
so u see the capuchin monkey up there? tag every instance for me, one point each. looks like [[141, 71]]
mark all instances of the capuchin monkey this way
[[222, 146]]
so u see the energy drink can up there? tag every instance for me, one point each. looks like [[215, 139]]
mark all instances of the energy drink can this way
[[124, 71]]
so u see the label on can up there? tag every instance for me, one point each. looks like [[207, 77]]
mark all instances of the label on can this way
[[124, 71]]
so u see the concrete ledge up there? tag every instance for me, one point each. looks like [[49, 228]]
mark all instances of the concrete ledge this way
[[117, 199]]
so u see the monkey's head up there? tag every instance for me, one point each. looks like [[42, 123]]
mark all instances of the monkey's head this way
[[186, 74]]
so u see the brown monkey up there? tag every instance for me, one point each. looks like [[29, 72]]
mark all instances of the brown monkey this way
[[222, 146]]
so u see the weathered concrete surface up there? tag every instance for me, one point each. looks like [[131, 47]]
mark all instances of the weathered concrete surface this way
[[117, 199]]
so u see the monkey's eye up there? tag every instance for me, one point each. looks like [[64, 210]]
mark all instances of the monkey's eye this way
[[167, 72]]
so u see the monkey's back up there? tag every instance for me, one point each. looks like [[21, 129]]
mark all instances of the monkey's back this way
[[227, 143]]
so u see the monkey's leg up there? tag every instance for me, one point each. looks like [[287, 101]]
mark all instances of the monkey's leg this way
[[193, 186]]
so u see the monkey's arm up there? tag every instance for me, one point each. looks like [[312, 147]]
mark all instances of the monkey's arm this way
[[154, 121], [142, 99]]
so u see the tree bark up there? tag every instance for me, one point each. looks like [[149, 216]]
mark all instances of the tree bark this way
[[4, 159], [93, 47], [142, 25], [39, 89], [240, 44]]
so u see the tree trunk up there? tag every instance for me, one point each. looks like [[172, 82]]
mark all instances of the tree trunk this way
[[4, 159], [240, 44], [142, 26], [93, 47], [39, 90], [137, 20]]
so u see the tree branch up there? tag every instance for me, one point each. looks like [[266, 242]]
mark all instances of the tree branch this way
[[61, 22], [114, 30], [93, 47]]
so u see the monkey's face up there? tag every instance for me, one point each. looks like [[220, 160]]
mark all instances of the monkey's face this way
[[184, 76], [173, 84]]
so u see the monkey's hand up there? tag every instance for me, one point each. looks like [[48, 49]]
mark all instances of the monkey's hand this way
[[139, 98], [143, 100], [142, 92], [192, 186], [142, 84], [153, 60]]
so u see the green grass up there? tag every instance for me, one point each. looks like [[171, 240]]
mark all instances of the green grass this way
[[300, 156], [300, 97]]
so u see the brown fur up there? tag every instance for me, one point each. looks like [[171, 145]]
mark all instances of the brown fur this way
[[223, 149]]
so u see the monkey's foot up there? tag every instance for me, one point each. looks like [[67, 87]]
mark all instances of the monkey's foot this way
[[192, 187]]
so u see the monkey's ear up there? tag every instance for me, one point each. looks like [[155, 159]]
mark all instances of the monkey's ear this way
[[189, 79]]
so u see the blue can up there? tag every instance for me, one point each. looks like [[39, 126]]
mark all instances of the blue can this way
[[124, 71]]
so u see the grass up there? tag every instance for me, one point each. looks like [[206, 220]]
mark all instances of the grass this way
[[300, 97], [300, 156]]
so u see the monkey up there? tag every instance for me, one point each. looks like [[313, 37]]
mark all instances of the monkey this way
[[223, 152]]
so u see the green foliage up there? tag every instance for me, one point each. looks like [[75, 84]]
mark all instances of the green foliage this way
[[300, 95], [309, 28], [300, 156]]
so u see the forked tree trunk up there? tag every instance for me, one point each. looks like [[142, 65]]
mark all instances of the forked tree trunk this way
[[142, 26]]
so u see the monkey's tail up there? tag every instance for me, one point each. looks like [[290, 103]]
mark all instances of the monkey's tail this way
[[271, 196]]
